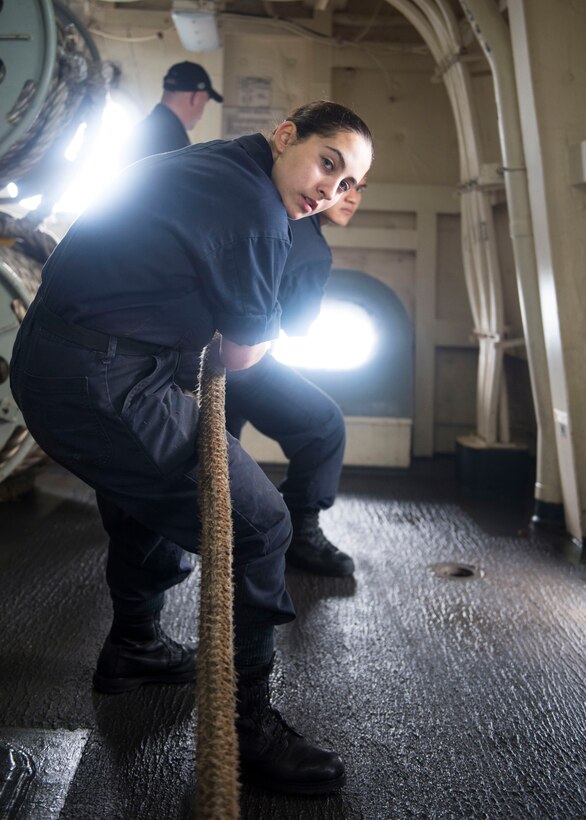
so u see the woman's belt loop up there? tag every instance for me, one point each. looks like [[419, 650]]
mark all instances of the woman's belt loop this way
[[111, 352]]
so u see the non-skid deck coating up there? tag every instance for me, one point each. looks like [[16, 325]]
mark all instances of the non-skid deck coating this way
[[448, 698]]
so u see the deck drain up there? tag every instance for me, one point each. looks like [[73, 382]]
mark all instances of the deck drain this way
[[450, 569]]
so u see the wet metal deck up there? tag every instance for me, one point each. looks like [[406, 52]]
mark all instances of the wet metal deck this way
[[448, 697]]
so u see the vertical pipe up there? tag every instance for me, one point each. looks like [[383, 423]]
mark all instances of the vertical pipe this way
[[437, 24], [492, 34]]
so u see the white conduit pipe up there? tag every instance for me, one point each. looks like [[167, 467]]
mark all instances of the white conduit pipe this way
[[478, 234], [474, 294], [458, 87], [436, 23], [493, 35], [491, 362], [504, 414]]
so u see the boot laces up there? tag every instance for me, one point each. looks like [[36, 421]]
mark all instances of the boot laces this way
[[272, 721], [277, 726], [167, 640], [314, 534], [322, 542]]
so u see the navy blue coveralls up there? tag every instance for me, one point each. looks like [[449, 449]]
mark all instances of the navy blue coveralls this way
[[279, 401], [159, 132], [191, 242], [274, 398]]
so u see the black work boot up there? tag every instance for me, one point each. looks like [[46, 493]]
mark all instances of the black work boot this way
[[138, 652], [310, 549], [272, 754]]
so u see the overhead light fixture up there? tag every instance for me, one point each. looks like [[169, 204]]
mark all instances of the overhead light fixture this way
[[195, 21]]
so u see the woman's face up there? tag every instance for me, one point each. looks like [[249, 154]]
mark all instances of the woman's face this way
[[313, 174], [342, 212]]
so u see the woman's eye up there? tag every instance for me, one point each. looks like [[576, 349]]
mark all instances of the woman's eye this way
[[328, 164], [344, 186]]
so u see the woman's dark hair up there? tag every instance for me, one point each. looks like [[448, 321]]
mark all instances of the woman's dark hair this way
[[325, 118]]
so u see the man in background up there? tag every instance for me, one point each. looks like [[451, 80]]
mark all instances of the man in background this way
[[187, 88]]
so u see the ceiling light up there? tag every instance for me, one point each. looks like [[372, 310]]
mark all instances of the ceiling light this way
[[196, 25]]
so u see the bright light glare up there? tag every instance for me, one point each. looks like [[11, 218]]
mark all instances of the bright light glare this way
[[12, 190], [31, 203], [102, 163], [74, 146], [342, 337]]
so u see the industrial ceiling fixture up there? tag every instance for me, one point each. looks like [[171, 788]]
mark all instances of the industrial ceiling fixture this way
[[196, 24]]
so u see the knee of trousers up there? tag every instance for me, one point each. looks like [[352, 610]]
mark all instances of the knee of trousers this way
[[260, 593], [332, 433], [337, 424], [324, 429], [262, 541]]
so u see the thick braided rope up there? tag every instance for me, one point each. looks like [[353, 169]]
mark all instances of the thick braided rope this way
[[217, 746], [23, 250]]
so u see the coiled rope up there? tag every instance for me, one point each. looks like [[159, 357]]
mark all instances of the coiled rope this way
[[77, 93], [217, 745], [24, 248], [23, 240]]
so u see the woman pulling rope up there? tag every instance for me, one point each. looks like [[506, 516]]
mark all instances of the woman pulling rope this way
[[192, 241]]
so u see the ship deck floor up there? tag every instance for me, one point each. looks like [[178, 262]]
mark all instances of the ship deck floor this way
[[448, 697]]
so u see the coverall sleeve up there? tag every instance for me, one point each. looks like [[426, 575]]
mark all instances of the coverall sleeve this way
[[300, 296], [242, 284]]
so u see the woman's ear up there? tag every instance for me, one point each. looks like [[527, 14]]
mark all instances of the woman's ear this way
[[284, 135]]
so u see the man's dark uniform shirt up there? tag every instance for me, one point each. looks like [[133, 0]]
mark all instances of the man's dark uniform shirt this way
[[158, 133]]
